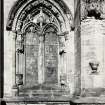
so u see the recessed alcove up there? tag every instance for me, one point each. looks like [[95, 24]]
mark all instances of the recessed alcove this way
[[94, 13]]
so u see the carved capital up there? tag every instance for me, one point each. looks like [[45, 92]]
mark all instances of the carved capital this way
[[14, 35], [41, 38], [64, 34]]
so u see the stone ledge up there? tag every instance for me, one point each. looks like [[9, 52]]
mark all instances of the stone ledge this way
[[35, 100], [89, 100], [76, 100]]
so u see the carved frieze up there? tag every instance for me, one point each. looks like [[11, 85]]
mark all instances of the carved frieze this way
[[32, 10], [20, 24], [93, 8]]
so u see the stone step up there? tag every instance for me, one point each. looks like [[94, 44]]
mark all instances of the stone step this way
[[94, 92], [48, 93]]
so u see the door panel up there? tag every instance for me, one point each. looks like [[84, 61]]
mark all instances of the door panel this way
[[51, 58], [32, 47]]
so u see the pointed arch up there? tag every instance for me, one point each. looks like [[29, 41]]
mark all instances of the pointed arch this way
[[28, 25], [22, 8], [56, 29]]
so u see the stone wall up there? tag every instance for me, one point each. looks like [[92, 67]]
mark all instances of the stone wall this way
[[92, 49], [92, 45], [7, 50]]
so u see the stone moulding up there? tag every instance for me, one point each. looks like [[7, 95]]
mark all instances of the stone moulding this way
[[30, 4]]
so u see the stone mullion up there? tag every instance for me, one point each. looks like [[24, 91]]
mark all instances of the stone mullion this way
[[41, 60], [62, 59], [61, 49]]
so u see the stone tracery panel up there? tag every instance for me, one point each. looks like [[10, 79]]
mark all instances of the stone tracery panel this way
[[31, 50], [27, 7], [51, 57]]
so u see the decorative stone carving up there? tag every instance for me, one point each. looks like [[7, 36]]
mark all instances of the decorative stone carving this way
[[40, 1], [62, 52], [48, 10], [30, 18], [33, 55], [23, 15], [62, 39], [41, 19], [20, 49], [29, 7], [51, 19], [64, 34], [63, 81], [83, 10], [20, 42], [19, 79], [20, 24], [94, 66], [92, 8]]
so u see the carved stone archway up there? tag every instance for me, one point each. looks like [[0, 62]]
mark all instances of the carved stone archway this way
[[39, 25]]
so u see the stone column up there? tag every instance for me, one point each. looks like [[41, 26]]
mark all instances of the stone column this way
[[62, 53], [41, 60], [15, 87], [1, 51], [62, 56]]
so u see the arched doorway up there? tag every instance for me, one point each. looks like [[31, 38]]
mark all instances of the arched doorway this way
[[39, 28], [40, 54]]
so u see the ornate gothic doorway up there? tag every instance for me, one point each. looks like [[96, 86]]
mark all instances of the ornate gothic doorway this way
[[40, 28], [41, 46]]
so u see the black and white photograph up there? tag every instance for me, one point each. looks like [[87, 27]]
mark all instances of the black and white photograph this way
[[52, 52]]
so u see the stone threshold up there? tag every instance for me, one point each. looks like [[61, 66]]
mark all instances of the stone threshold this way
[[67, 100], [89, 100]]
